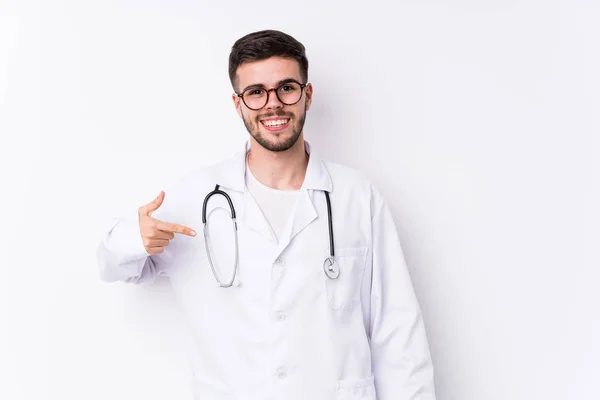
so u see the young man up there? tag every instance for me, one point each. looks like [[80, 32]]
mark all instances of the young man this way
[[307, 294]]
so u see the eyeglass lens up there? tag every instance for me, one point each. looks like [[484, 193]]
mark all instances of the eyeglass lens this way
[[288, 93]]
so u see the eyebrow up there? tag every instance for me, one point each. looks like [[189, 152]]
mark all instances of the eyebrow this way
[[260, 85]]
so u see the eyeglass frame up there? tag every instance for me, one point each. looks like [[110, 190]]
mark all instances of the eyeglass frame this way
[[302, 86]]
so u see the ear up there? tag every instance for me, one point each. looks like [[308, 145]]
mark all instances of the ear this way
[[308, 90], [237, 104]]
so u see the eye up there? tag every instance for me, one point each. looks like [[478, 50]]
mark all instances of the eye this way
[[255, 92], [287, 88]]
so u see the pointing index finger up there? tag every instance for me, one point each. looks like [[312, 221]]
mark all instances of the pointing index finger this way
[[175, 228]]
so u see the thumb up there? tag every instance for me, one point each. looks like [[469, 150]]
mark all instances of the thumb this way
[[154, 204]]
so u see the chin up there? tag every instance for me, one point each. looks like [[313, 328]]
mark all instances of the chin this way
[[277, 143]]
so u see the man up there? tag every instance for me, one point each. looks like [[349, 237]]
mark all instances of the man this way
[[273, 314]]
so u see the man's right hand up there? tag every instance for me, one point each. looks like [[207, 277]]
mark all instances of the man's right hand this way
[[157, 234]]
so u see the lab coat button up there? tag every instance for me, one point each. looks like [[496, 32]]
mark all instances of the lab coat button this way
[[280, 317], [281, 374], [279, 262]]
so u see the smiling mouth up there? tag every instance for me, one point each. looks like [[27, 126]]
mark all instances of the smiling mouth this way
[[275, 125]]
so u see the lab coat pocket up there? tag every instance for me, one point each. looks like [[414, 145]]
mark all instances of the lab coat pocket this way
[[343, 292], [356, 389]]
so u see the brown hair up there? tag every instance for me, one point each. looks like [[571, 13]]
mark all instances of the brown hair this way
[[264, 44]]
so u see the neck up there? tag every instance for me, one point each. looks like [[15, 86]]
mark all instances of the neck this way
[[283, 170]]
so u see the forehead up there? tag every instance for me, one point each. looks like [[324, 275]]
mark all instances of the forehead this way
[[267, 72]]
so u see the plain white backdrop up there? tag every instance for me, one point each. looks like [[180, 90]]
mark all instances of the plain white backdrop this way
[[479, 121]]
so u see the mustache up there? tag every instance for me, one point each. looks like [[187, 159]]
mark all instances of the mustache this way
[[277, 114]]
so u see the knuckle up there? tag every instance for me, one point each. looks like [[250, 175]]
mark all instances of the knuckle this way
[[155, 250]]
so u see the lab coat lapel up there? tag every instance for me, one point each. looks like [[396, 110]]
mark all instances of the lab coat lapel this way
[[254, 219], [317, 179], [303, 214], [232, 179]]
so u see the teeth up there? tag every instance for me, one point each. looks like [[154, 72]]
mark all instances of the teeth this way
[[277, 122]]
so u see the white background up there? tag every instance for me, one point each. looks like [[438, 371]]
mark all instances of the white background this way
[[479, 121]]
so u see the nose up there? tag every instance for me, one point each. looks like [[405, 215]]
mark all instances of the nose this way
[[273, 101]]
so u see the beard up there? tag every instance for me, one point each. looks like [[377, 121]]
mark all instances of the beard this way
[[284, 140]]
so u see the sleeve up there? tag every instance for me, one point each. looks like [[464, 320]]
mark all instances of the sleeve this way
[[121, 254], [401, 360]]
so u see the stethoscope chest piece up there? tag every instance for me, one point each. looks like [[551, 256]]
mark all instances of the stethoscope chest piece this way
[[331, 268]]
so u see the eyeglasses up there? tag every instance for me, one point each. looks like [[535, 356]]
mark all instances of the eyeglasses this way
[[289, 93]]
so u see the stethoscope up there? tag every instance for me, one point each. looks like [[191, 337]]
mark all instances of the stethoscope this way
[[330, 266]]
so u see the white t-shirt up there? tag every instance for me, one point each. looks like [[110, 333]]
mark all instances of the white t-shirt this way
[[276, 205]]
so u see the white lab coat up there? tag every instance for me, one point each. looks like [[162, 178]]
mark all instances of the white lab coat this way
[[287, 331]]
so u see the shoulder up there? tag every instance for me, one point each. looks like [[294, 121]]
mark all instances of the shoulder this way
[[201, 178], [345, 175], [193, 180], [186, 191], [354, 183]]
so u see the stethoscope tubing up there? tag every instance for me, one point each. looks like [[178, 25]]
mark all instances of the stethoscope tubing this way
[[332, 270], [208, 196], [330, 224]]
